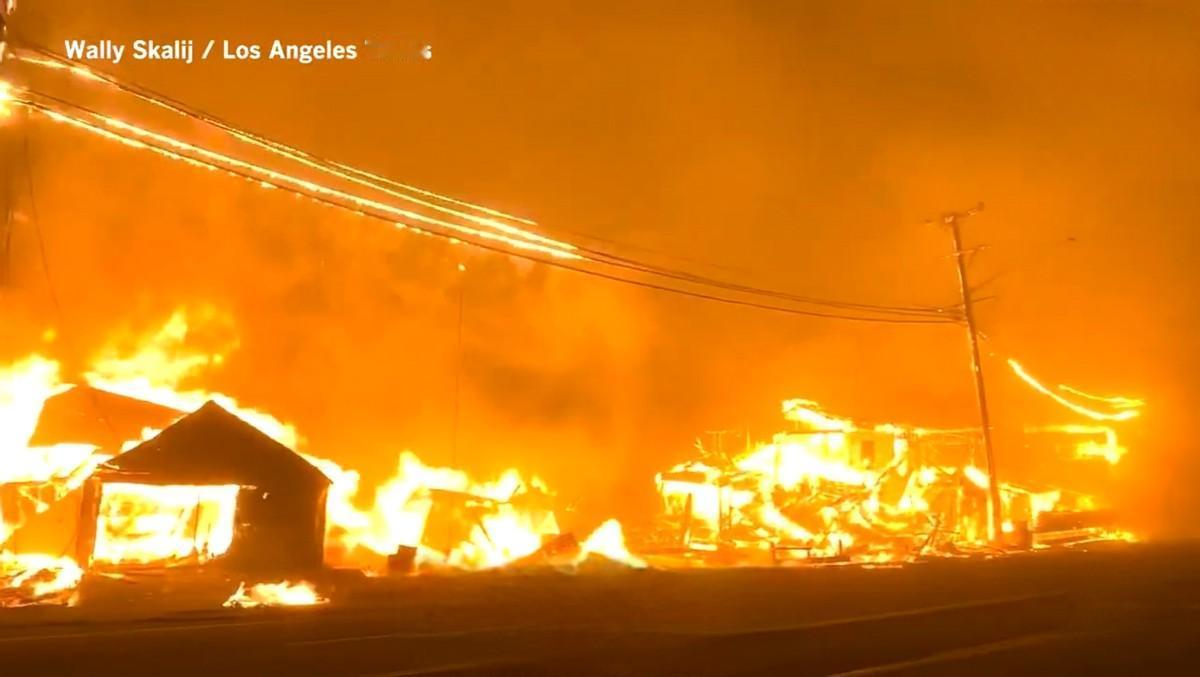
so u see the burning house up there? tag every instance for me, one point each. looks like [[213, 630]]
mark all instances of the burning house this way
[[210, 485]]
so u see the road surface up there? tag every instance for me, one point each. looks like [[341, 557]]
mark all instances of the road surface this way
[[1114, 610]]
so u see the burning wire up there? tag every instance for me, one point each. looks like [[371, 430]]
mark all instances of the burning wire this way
[[1117, 402], [276, 177], [1126, 412], [52, 60], [137, 137]]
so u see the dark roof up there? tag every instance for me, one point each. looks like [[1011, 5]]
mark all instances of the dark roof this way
[[213, 446], [91, 416]]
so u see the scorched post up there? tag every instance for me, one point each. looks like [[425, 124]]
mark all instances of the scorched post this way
[[995, 517]]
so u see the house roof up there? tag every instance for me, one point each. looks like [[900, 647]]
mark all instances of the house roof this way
[[89, 415], [213, 446]]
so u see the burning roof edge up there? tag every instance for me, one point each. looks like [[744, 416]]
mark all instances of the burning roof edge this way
[[212, 445]]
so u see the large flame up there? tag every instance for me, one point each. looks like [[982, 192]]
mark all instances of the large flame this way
[[24, 388], [829, 488], [492, 523], [163, 360], [148, 523], [443, 514], [608, 541]]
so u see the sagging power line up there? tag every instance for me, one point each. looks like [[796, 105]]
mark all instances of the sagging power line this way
[[517, 237]]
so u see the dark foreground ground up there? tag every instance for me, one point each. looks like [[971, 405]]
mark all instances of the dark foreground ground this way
[[1113, 610]]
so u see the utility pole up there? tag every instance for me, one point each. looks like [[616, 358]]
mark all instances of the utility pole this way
[[995, 516]]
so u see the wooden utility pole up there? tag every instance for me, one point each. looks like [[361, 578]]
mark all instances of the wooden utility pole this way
[[995, 515]]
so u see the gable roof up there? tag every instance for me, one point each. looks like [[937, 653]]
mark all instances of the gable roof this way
[[213, 446]]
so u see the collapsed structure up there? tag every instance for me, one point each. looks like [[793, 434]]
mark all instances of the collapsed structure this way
[[831, 489]]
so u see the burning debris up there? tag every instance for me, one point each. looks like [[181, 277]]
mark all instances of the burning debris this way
[[37, 579], [284, 593], [831, 490]]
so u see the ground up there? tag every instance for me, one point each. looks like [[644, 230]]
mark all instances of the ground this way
[[1114, 609]]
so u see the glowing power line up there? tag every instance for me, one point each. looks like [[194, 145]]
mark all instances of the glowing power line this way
[[1123, 415], [52, 60], [269, 183], [58, 62]]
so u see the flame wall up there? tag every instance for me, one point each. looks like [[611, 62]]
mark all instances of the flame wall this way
[[800, 145]]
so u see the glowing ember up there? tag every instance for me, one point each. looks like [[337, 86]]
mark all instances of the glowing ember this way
[[145, 523], [284, 593]]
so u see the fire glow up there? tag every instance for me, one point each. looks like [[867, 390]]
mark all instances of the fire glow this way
[[831, 490], [447, 518], [828, 490], [147, 523]]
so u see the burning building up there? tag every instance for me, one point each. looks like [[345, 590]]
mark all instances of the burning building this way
[[209, 485], [113, 476], [834, 489]]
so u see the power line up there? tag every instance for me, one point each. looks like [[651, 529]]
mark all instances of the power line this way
[[360, 176], [597, 256], [80, 123]]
